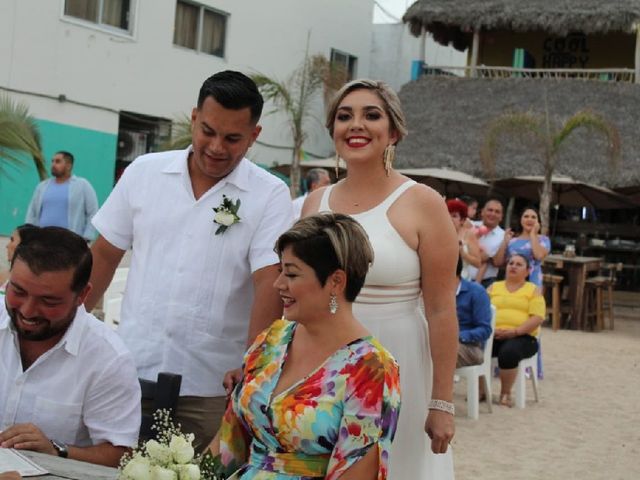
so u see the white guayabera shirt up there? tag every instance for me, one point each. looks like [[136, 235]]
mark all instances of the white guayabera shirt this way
[[83, 391], [189, 292]]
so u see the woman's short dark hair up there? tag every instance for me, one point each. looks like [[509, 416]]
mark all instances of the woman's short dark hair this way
[[526, 260], [54, 249], [328, 242]]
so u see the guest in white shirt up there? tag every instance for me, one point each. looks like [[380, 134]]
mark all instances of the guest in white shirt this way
[[490, 240], [316, 178], [201, 223], [68, 385]]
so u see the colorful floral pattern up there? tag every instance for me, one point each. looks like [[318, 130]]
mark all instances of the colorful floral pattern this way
[[321, 425]]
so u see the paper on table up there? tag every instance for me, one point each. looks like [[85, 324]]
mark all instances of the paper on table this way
[[10, 460]]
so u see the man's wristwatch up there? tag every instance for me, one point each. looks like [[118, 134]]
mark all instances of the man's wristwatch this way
[[61, 448]]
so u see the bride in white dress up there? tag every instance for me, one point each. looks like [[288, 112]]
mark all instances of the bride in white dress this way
[[416, 251]]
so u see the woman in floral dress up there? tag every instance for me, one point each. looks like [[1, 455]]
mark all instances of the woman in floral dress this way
[[319, 397]]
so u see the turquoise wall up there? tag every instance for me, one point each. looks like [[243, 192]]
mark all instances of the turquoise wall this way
[[95, 156]]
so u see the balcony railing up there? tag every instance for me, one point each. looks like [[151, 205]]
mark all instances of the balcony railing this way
[[604, 74]]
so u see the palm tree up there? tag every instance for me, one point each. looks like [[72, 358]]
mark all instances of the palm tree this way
[[180, 134], [538, 128], [19, 134], [294, 98]]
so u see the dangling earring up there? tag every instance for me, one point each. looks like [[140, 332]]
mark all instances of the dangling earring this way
[[333, 304], [337, 167], [388, 157]]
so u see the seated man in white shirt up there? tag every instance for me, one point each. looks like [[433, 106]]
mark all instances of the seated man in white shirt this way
[[316, 178], [68, 385]]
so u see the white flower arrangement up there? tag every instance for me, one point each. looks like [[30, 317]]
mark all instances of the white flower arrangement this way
[[170, 457], [226, 214]]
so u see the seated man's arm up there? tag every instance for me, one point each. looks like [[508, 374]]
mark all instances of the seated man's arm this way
[[106, 258], [481, 312], [27, 436]]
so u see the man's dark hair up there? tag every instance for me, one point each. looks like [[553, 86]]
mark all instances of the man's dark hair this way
[[313, 176], [468, 199], [54, 249], [68, 157], [234, 91], [494, 199]]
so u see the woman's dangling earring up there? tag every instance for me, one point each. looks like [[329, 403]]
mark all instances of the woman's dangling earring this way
[[388, 157], [333, 304], [337, 167]]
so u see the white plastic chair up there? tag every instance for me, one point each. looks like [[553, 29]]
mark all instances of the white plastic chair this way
[[520, 384], [112, 300], [521, 379], [112, 309], [472, 374]]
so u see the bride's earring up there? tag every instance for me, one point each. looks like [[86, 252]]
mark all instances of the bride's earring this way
[[388, 157], [337, 167], [333, 304]]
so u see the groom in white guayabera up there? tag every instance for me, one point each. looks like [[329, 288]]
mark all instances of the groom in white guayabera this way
[[202, 223]]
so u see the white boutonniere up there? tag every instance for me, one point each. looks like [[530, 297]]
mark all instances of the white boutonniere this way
[[226, 214]]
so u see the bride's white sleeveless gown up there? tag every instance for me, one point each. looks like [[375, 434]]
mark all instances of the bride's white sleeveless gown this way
[[389, 307]]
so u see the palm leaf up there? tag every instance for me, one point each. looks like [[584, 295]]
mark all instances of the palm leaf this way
[[180, 134], [19, 134]]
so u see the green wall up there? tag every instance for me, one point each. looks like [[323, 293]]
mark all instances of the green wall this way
[[94, 153]]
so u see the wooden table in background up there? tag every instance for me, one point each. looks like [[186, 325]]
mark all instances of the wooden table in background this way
[[577, 269], [64, 469]]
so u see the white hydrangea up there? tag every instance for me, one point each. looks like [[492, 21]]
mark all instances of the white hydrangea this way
[[138, 468], [190, 471], [158, 452], [181, 449], [161, 473]]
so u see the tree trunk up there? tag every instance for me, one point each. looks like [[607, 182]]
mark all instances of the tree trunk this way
[[295, 170], [545, 202]]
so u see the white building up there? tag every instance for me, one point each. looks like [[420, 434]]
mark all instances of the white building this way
[[104, 78]]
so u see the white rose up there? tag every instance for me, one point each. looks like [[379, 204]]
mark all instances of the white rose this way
[[224, 218], [181, 449], [138, 468], [158, 452], [189, 471], [161, 473]]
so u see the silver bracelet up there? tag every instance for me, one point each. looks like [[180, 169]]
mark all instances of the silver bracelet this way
[[443, 406]]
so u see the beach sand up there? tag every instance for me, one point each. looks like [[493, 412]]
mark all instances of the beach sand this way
[[586, 425]]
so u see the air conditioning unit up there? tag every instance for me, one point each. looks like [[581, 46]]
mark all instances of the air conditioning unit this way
[[131, 145]]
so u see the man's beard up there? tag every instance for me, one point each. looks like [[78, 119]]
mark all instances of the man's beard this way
[[56, 173], [46, 331]]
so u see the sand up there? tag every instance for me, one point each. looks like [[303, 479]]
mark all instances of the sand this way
[[586, 425]]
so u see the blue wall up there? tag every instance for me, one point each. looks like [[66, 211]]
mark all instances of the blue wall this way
[[94, 153]]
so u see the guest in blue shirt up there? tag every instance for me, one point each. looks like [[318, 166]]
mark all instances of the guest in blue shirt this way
[[474, 320], [65, 200]]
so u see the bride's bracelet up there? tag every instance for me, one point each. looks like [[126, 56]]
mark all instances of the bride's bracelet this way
[[443, 406]]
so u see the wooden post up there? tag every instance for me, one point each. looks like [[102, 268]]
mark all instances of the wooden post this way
[[423, 47], [637, 58], [474, 53]]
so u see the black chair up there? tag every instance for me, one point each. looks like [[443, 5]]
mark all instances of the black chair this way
[[162, 394]]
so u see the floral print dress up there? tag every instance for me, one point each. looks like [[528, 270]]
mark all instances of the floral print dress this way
[[321, 425]]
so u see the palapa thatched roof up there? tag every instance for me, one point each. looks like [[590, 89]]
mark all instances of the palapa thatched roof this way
[[448, 118], [450, 21]]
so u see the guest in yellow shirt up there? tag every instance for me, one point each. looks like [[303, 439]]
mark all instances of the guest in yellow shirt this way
[[520, 310]]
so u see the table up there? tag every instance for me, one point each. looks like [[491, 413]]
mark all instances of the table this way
[[577, 269], [64, 468]]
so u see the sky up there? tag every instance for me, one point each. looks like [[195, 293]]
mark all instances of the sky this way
[[395, 7]]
